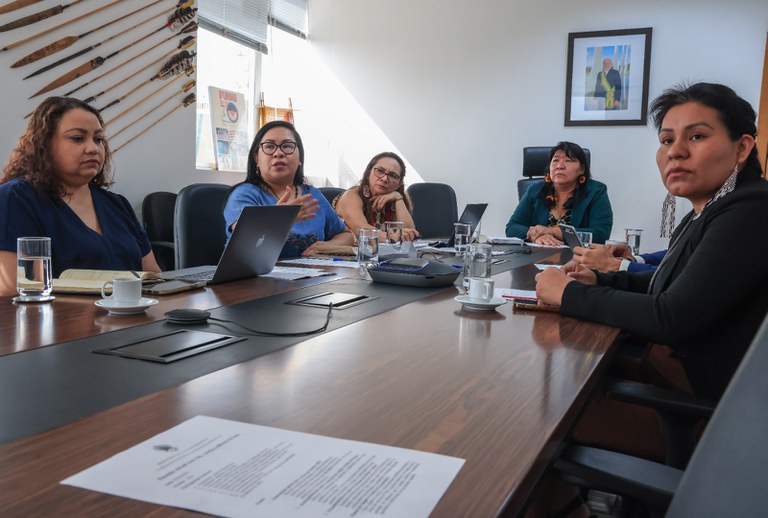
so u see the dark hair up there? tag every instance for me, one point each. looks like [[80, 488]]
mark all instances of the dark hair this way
[[31, 159], [736, 114], [369, 168], [254, 175], [575, 152]]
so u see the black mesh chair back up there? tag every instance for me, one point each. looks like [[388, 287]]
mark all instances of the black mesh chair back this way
[[157, 214], [434, 209], [330, 193], [536, 166], [199, 230]]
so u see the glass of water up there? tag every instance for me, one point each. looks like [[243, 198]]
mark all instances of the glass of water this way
[[633, 239], [367, 248], [585, 238], [33, 271], [477, 262], [460, 237], [394, 233]]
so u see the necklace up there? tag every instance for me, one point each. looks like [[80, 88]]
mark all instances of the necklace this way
[[273, 193]]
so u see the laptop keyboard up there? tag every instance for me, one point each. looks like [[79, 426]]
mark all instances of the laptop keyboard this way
[[206, 275]]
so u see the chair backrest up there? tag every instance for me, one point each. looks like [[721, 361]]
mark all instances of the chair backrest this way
[[330, 193], [434, 209], [157, 215], [157, 211], [536, 166], [199, 229], [728, 472]]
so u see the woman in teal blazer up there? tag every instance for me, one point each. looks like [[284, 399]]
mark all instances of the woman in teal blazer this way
[[566, 196]]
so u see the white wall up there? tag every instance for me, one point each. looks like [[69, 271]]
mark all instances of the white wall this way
[[459, 87]]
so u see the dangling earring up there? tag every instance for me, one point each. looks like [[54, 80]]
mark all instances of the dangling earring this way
[[582, 179], [366, 191], [668, 216], [548, 179]]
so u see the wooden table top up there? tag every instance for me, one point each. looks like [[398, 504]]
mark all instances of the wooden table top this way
[[500, 389]]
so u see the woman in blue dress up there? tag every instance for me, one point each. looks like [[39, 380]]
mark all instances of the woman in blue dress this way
[[55, 185], [276, 177]]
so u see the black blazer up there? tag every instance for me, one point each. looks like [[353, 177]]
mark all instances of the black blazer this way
[[710, 294]]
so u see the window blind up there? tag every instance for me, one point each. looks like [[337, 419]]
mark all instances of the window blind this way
[[244, 21]]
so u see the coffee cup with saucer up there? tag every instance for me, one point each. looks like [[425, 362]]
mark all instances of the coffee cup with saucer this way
[[480, 295], [125, 298]]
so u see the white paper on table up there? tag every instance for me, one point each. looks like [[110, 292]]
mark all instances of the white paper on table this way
[[319, 261], [291, 273], [503, 240], [509, 293], [228, 468], [542, 266]]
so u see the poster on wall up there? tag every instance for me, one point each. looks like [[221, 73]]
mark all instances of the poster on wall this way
[[229, 120]]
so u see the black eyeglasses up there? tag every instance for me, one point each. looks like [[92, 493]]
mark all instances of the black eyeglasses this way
[[381, 172], [287, 147]]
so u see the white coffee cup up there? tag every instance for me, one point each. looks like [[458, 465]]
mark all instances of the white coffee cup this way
[[125, 291], [481, 289]]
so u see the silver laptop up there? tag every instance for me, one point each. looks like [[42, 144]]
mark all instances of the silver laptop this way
[[253, 247]]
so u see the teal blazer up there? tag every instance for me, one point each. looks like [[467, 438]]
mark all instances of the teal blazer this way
[[591, 214]]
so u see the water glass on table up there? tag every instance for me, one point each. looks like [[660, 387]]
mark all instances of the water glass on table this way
[[585, 238], [394, 231], [33, 272], [477, 262], [633, 239], [367, 248], [460, 237]]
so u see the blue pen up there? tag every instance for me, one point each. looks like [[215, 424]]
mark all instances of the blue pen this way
[[337, 259]]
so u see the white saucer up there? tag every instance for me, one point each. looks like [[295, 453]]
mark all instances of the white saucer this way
[[471, 304], [117, 309]]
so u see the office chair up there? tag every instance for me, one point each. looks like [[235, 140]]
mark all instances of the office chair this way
[[199, 229], [536, 166], [434, 209], [330, 193], [728, 472], [157, 212]]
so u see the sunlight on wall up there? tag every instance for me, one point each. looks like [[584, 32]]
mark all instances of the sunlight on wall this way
[[339, 137]]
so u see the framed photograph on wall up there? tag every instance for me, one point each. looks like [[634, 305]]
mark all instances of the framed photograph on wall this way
[[607, 78]]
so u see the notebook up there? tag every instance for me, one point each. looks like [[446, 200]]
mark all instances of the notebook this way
[[253, 247], [472, 215]]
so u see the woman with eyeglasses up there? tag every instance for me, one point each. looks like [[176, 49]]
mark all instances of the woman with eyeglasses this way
[[276, 177], [568, 196], [378, 198]]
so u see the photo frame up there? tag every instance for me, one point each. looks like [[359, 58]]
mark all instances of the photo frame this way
[[607, 78]]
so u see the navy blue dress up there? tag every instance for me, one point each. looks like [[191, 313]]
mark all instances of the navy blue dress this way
[[120, 246]]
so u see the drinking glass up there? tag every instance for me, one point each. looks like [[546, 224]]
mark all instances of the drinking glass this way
[[477, 262], [33, 272], [585, 238], [394, 230], [367, 248], [460, 237], [633, 239]]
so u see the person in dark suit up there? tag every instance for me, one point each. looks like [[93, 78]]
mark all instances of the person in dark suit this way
[[608, 86], [706, 300], [709, 295]]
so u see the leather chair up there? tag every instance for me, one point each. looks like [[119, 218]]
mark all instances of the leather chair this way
[[728, 472], [536, 166], [330, 193], [434, 209], [199, 229], [157, 214]]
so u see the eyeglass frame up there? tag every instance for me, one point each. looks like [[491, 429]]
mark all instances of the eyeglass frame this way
[[280, 145], [389, 174]]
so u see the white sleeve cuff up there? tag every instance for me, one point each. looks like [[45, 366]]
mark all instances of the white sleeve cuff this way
[[624, 265]]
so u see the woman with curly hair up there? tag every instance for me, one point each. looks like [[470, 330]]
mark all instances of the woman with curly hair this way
[[55, 185], [568, 196], [378, 198]]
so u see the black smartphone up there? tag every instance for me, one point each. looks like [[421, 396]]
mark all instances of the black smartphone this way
[[533, 305], [570, 237]]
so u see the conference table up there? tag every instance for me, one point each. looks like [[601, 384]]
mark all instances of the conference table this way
[[412, 369]]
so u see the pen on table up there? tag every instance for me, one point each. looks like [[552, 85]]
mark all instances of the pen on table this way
[[136, 274]]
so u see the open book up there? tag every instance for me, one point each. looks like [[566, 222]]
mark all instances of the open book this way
[[91, 281]]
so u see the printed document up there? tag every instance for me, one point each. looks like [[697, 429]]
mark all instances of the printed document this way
[[228, 468]]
